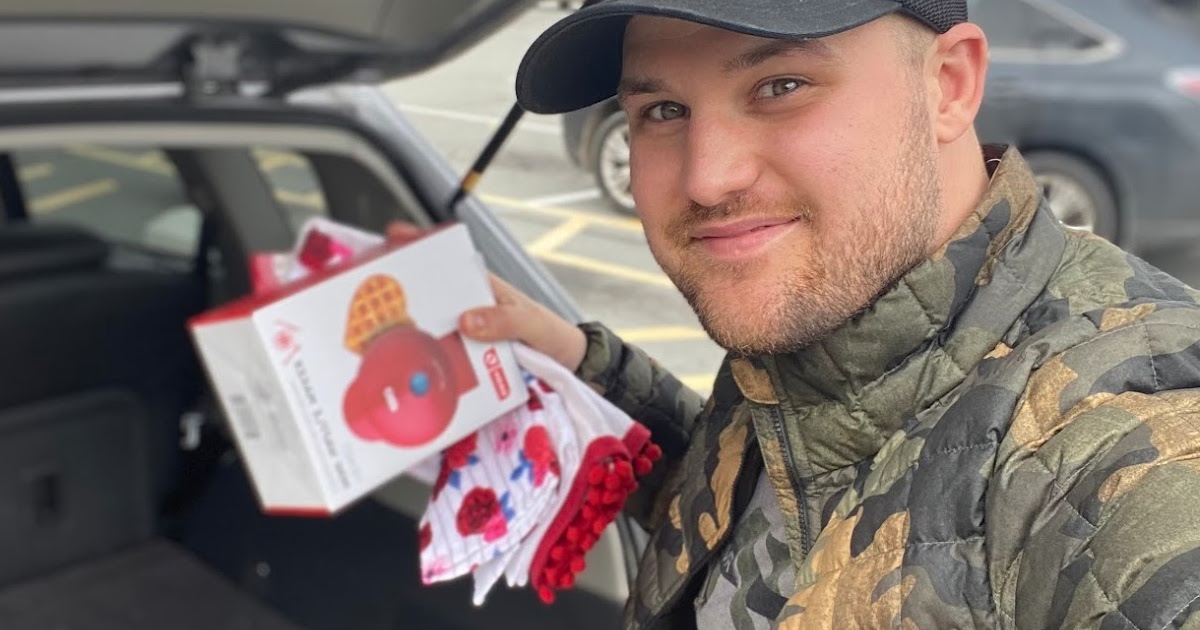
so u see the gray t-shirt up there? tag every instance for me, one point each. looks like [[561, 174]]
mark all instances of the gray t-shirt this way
[[749, 582]]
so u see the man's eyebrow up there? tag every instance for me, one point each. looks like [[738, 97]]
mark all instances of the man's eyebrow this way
[[776, 48], [635, 86]]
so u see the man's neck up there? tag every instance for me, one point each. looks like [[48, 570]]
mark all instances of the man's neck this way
[[965, 181]]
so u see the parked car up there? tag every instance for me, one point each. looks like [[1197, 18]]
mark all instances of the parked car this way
[[146, 149], [1103, 97]]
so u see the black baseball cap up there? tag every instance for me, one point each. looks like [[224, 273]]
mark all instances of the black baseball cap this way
[[577, 61]]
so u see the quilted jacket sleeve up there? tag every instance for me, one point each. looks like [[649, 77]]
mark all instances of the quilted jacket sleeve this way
[[1114, 539], [635, 383]]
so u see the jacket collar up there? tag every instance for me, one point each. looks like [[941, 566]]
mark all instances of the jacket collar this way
[[843, 396]]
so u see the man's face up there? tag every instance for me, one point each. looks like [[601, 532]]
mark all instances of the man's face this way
[[782, 187]]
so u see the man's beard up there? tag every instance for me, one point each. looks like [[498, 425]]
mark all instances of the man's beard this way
[[835, 282]]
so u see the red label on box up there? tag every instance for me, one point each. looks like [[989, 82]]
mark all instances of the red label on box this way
[[491, 360]]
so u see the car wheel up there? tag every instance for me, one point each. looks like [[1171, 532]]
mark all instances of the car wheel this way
[[1079, 195], [610, 161]]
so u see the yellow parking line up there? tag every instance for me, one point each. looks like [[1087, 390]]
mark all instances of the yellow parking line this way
[[313, 200], [153, 159], [662, 333], [698, 382], [579, 220], [618, 223], [121, 158], [269, 160], [74, 195], [36, 171], [152, 162], [558, 236], [608, 269]]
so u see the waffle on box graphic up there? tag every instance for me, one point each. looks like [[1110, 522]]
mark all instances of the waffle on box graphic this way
[[338, 382]]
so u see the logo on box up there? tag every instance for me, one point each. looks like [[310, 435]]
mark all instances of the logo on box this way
[[286, 340], [491, 360]]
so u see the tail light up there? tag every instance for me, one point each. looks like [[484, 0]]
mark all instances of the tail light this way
[[1185, 81]]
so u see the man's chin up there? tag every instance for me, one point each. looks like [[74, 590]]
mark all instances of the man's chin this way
[[740, 311], [746, 341], [744, 329], [732, 282], [756, 327]]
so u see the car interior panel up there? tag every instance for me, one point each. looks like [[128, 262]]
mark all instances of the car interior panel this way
[[149, 586], [98, 370]]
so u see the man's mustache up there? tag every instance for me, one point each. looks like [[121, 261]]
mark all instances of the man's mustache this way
[[699, 216]]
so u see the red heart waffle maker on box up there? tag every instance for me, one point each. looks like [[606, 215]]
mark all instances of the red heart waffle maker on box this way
[[409, 383]]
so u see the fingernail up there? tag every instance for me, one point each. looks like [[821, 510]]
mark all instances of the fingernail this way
[[474, 321]]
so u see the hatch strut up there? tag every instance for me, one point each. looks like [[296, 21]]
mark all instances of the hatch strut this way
[[471, 179]]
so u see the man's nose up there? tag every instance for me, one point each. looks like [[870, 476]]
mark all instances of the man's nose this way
[[720, 159]]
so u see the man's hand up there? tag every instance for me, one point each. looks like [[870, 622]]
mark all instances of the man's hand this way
[[515, 317]]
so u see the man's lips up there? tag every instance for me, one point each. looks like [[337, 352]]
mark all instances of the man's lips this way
[[738, 228], [744, 238]]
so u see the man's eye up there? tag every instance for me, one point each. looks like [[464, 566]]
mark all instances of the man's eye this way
[[779, 87], [666, 111]]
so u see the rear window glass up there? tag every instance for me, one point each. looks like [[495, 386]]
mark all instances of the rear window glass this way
[[294, 182], [131, 197]]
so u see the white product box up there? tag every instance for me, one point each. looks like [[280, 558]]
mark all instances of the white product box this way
[[337, 383]]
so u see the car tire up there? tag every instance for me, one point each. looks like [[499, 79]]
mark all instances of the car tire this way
[[610, 161], [1079, 194]]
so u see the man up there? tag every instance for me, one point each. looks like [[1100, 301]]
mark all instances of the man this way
[[940, 407]]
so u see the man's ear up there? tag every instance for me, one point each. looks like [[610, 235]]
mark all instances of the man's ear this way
[[960, 62]]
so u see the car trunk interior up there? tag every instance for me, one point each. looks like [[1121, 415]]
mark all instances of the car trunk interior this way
[[99, 498], [111, 515]]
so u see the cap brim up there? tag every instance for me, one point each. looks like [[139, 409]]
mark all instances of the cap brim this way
[[577, 61]]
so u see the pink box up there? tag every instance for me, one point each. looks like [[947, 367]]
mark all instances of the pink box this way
[[337, 383]]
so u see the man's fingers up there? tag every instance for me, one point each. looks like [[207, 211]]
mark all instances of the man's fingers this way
[[537, 328], [493, 323], [504, 292], [398, 232]]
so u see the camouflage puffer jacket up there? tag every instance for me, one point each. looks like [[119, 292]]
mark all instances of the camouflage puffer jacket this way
[[1009, 438]]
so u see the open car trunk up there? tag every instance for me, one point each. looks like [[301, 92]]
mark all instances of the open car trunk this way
[[83, 538]]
